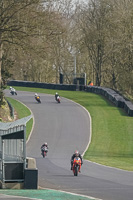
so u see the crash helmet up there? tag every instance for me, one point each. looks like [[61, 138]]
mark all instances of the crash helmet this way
[[36, 94], [56, 93], [10, 88], [76, 153], [45, 144]]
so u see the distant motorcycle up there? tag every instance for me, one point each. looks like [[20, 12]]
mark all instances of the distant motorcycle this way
[[38, 99], [44, 151], [58, 99], [13, 92], [76, 166]]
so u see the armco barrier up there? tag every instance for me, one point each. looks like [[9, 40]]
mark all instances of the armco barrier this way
[[114, 97], [42, 85], [11, 109], [128, 107]]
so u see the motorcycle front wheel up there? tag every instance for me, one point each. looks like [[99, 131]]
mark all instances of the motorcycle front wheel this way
[[76, 171]]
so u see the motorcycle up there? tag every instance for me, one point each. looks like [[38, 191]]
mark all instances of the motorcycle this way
[[58, 99], [44, 152], [76, 166], [13, 92], [38, 99]]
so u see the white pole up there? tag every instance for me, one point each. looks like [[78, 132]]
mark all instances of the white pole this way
[[3, 166], [24, 147], [85, 79], [75, 66]]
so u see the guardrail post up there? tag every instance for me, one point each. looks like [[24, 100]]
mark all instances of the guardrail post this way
[[3, 166]]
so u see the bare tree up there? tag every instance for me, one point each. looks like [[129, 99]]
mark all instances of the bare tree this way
[[93, 23], [13, 27]]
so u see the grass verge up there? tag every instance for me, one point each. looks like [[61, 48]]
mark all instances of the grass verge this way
[[22, 111], [112, 129]]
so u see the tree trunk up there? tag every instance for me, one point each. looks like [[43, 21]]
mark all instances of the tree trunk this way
[[1, 89], [0, 63]]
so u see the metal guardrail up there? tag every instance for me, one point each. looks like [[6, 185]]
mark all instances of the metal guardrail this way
[[11, 109], [113, 96], [42, 85]]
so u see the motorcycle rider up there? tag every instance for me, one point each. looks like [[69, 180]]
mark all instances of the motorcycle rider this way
[[13, 91], [36, 95], [56, 95], [43, 147], [76, 154], [37, 98]]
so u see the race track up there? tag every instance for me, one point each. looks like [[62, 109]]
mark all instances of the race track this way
[[66, 128]]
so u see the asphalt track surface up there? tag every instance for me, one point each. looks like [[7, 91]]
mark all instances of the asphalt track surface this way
[[66, 128]]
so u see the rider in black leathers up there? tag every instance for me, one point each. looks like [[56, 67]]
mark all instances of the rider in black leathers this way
[[43, 147], [56, 95], [76, 154]]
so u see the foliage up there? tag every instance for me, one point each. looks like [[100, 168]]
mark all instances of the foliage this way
[[42, 38], [106, 32], [2, 102]]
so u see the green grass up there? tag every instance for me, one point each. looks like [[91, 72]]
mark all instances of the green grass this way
[[44, 194], [22, 111], [112, 129]]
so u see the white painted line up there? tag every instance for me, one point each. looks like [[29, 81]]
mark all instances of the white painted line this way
[[93, 198], [13, 196], [90, 124]]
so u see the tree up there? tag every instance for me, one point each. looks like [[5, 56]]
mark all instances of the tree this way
[[93, 23], [13, 28]]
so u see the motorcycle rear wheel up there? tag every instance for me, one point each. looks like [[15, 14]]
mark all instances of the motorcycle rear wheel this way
[[44, 154]]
